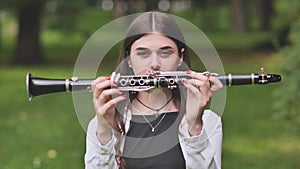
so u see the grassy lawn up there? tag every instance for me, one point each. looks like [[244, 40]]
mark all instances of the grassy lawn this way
[[254, 135], [46, 133]]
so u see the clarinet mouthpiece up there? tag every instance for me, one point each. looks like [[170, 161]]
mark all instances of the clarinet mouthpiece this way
[[275, 78]]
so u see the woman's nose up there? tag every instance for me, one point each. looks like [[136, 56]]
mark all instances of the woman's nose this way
[[155, 63]]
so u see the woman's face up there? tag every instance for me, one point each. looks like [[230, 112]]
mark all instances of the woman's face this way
[[154, 51]]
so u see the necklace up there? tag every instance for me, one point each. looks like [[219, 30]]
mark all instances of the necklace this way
[[153, 128], [157, 110]]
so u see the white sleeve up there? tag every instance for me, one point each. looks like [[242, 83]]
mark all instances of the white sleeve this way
[[98, 156], [203, 151]]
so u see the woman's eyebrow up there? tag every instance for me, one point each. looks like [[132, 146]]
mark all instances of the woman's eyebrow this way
[[161, 48], [166, 47], [141, 48]]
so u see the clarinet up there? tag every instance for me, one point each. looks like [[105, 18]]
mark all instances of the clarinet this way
[[154, 79]]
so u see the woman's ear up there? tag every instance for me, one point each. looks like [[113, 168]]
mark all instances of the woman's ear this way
[[127, 56], [129, 64], [181, 57]]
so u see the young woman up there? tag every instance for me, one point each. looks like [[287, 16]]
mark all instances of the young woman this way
[[161, 128]]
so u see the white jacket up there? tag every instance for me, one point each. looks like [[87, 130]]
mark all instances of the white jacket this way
[[200, 152]]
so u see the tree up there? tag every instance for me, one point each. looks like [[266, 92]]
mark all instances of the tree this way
[[264, 11], [29, 49], [238, 15], [288, 94], [151, 4]]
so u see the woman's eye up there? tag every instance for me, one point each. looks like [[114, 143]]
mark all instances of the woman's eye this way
[[142, 53], [165, 53]]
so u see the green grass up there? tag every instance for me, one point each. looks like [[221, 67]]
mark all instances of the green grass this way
[[254, 135], [240, 41], [46, 133], [30, 131]]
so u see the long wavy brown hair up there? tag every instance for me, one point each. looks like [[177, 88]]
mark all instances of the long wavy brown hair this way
[[146, 23]]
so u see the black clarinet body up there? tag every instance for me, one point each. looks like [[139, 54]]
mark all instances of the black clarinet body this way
[[246, 79], [155, 79]]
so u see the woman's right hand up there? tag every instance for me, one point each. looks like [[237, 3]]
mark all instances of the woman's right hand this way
[[104, 100]]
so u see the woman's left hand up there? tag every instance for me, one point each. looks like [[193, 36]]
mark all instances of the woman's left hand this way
[[199, 94]]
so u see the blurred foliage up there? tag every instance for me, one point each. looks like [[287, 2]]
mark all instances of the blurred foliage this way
[[286, 13], [62, 15], [83, 17], [289, 93]]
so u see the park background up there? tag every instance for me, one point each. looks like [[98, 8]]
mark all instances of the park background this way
[[261, 123]]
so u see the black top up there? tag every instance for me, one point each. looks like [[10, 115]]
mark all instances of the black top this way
[[160, 149]]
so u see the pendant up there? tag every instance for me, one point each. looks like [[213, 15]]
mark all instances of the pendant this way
[[152, 130]]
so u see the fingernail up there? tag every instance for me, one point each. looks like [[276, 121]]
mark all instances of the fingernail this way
[[188, 72], [124, 96], [185, 81]]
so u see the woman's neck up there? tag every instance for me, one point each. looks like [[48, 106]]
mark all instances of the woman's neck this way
[[154, 102]]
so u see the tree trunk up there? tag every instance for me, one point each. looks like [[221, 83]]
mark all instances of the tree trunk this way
[[151, 5], [265, 10], [238, 16], [119, 8], [29, 50]]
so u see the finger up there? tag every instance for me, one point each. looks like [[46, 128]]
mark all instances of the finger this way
[[104, 98], [200, 86], [111, 103], [216, 83], [197, 83], [99, 80], [98, 89], [103, 110], [201, 94], [108, 95], [192, 88], [196, 75]]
